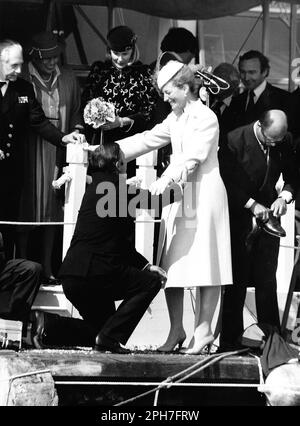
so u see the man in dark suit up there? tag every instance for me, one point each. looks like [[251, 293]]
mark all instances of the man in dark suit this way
[[259, 95], [19, 284], [220, 102], [102, 265], [19, 110], [250, 165]]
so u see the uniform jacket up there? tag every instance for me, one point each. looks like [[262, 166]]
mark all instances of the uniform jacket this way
[[20, 111]]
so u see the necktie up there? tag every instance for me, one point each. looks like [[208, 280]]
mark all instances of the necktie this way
[[250, 104]]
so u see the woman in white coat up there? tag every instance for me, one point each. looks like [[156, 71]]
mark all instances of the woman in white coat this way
[[194, 247]]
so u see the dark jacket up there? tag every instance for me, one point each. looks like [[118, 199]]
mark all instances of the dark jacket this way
[[243, 167], [101, 245], [103, 240], [2, 254], [271, 98], [19, 110]]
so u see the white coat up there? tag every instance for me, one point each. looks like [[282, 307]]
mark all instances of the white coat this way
[[194, 242]]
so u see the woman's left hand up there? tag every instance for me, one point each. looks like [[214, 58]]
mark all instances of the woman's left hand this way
[[160, 185]]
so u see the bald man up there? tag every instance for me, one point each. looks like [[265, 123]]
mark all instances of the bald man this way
[[251, 163]]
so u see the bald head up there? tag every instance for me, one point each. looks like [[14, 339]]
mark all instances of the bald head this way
[[273, 126]]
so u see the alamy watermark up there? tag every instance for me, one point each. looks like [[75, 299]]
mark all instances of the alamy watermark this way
[[123, 201], [295, 74]]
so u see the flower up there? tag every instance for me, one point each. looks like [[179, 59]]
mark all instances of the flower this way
[[97, 111]]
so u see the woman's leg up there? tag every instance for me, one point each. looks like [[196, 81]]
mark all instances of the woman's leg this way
[[174, 299], [206, 302]]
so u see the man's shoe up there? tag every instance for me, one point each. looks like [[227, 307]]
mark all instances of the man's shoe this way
[[37, 319], [272, 226], [103, 344]]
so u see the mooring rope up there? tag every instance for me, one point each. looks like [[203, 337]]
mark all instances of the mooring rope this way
[[168, 383], [9, 222]]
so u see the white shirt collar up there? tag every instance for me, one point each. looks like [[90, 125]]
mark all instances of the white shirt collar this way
[[4, 86], [263, 147], [259, 89]]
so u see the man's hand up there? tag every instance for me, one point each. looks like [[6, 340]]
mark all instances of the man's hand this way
[[279, 207], [260, 212], [158, 271], [74, 137], [160, 185]]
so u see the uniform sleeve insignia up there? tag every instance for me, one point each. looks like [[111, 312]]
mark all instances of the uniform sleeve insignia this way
[[23, 99]]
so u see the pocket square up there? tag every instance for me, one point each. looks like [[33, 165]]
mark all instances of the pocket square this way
[[23, 99]]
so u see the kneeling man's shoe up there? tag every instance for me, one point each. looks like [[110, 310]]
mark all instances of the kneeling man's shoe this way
[[272, 226], [104, 344], [37, 319]]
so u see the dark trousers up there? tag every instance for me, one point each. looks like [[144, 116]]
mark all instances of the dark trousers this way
[[9, 211], [262, 266], [19, 284], [95, 298]]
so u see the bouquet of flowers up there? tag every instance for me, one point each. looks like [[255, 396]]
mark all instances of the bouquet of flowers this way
[[98, 111]]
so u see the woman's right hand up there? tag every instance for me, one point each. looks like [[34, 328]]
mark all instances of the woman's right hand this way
[[160, 185]]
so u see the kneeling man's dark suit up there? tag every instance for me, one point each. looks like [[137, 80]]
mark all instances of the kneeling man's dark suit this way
[[102, 266]]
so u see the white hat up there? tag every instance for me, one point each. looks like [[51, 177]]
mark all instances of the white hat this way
[[168, 72]]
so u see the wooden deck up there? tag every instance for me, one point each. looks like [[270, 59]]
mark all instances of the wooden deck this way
[[86, 377]]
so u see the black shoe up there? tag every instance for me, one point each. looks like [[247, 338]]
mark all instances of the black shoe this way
[[50, 281], [37, 319], [272, 226], [103, 344]]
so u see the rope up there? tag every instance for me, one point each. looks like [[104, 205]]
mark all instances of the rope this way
[[109, 383], [6, 222], [291, 247], [199, 366]]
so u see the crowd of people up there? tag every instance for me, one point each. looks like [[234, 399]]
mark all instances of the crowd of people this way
[[219, 163]]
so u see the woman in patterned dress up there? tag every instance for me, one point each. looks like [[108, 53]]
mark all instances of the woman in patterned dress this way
[[124, 81]]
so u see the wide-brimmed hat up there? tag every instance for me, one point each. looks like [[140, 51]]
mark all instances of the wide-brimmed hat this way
[[168, 72], [45, 45], [121, 38]]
